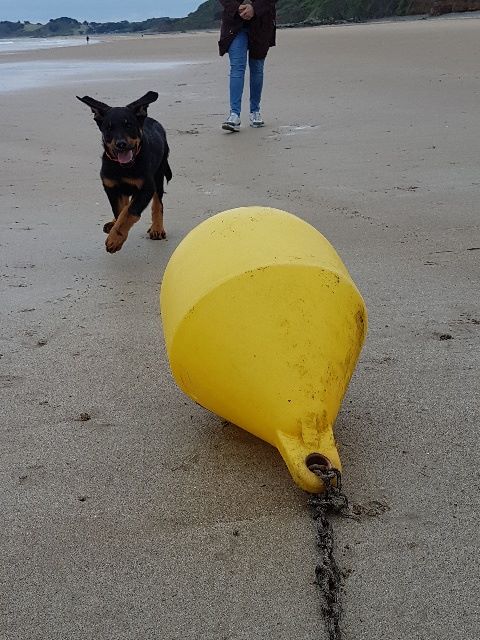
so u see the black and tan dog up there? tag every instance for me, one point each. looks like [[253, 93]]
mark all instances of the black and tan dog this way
[[134, 166]]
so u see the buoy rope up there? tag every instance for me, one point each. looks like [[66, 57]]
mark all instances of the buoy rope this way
[[329, 577]]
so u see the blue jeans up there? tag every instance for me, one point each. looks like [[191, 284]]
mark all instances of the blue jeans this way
[[237, 53]]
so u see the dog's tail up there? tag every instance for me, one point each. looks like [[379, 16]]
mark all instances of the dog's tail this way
[[167, 172]]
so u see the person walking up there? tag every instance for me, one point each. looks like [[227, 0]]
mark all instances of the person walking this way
[[248, 27]]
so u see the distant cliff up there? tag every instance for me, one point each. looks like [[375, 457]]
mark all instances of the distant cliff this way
[[207, 16], [71, 27], [294, 12]]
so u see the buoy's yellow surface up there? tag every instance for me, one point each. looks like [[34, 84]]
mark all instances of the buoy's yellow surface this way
[[263, 326]]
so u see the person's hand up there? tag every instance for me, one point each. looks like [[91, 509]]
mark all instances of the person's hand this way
[[246, 11]]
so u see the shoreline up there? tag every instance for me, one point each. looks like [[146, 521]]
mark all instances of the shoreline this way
[[103, 37]]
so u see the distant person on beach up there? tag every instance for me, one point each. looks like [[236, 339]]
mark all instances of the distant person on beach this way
[[88, 39], [247, 26]]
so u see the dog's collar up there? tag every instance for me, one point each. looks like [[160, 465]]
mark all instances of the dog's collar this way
[[135, 154]]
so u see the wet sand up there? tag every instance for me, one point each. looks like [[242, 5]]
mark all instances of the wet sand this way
[[129, 512]]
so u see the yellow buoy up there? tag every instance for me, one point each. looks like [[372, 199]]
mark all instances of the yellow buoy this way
[[263, 326]]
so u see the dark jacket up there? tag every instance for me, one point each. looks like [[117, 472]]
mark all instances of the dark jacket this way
[[261, 32]]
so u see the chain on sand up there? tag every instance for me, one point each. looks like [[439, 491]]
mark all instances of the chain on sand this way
[[328, 575]]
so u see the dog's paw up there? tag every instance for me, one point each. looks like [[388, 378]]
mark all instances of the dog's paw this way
[[157, 233], [114, 241], [107, 227]]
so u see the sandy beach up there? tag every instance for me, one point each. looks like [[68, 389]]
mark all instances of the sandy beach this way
[[153, 519]]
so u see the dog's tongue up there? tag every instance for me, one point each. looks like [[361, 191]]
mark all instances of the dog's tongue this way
[[125, 157]]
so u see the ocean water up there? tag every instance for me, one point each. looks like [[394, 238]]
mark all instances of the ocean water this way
[[30, 44]]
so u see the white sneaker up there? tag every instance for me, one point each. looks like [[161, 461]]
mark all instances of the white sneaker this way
[[256, 119], [232, 123]]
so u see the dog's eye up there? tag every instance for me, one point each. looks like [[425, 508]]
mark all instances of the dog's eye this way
[[128, 124]]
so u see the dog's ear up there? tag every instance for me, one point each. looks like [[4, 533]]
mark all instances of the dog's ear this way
[[99, 109], [140, 106]]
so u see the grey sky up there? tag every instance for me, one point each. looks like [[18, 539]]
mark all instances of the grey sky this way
[[94, 10]]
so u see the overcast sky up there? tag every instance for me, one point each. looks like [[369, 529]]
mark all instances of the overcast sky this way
[[94, 10]]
